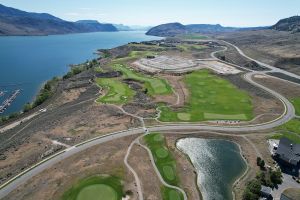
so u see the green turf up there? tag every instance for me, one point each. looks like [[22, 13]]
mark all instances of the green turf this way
[[117, 92], [211, 98], [296, 103], [154, 85], [193, 37], [95, 188], [133, 55], [171, 194], [162, 153], [290, 130], [164, 161], [97, 192], [188, 47]]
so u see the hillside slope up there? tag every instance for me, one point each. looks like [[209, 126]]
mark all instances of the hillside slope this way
[[289, 24], [17, 22]]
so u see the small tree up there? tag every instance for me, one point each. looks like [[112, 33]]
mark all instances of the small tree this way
[[27, 107]]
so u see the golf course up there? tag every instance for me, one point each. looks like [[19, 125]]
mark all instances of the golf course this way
[[210, 98], [116, 91], [165, 163], [95, 188], [155, 86]]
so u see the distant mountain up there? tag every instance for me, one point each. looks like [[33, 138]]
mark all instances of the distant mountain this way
[[289, 24], [171, 29], [94, 26], [122, 27], [208, 28], [17, 22]]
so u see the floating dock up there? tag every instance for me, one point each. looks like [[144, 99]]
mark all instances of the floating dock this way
[[7, 102]]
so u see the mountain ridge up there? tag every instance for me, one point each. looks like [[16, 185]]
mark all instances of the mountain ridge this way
[[18, 22]]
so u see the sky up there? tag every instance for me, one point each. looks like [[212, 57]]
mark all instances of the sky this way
[[240, 13]]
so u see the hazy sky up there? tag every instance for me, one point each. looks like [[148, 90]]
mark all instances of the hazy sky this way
[[153, 12]]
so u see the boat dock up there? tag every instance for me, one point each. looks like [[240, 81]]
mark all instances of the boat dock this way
[[7, 102]]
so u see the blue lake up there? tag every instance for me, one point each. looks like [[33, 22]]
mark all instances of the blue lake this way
[[26, 62], [218, 164]]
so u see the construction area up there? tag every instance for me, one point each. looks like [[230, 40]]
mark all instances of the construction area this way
[[176, 64]]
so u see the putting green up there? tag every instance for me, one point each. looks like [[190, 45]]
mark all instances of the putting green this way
[[97, 192], [117, 92], [169, 172], [184, 116], [162, 153], [95, 188], [174, 195]]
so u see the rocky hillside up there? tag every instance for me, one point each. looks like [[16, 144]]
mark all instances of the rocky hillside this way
[[170, 30], [17, 22], [173, 29], [289, 24]]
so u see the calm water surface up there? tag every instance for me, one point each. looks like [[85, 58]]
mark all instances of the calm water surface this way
[[218, 164], [27, 62]]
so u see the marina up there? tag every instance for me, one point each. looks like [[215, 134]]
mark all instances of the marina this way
[[7, 102]]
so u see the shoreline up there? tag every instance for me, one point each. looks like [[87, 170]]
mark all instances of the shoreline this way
[[237, 178]]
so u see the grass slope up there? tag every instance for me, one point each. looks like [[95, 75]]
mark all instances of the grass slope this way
[[155, 86], [117, 92], [171, 194], [290, 130], [109, 188], [211, 98], [163, 158], [296, 104]]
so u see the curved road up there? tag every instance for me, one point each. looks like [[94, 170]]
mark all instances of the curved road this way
[[39, 167]]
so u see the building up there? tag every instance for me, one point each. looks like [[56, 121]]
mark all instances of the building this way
[[288, 152]]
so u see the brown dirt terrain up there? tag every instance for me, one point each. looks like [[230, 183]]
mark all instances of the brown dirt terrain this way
[[102, 159], [70, 124], [278, 48], [140, 162], [285, 88]]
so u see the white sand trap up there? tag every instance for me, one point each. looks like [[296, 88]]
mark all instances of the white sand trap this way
[[260, 76]]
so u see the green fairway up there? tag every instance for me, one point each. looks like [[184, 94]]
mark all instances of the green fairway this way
[[95, 188], [296, 104], [163, 158], [171, 194], [117, 92], [162, 153], [97, 192], [211, 98], [193, 37], [155, 86], [290, 130]]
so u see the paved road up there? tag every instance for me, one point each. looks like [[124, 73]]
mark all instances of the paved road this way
[[28, 174], [288, 182], [273, 69]]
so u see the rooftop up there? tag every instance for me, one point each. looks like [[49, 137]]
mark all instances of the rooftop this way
[[288, 151]]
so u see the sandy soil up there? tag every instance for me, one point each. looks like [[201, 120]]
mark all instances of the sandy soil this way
[[285, 88], [140, 162], [102, 159]]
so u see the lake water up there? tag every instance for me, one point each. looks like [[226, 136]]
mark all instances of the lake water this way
[[27, 62], [218, 164]]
